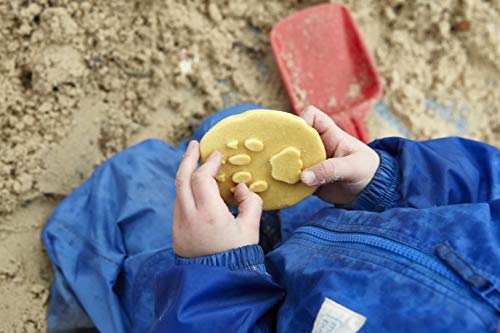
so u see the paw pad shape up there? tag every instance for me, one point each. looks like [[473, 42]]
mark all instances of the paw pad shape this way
[[287, 165]]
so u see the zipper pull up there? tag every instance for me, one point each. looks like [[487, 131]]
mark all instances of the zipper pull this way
[[478, 283]]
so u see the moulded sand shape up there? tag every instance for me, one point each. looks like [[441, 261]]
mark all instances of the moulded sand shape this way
[[233, 144], [266, 150], [240, 159], [287, 165], [254, 145], [241, 177], [258, 186], [220, 177]]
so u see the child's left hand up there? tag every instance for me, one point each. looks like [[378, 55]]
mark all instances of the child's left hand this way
[[203, 225]]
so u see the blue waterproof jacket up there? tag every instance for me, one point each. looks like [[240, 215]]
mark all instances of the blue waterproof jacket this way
[[418, 250]]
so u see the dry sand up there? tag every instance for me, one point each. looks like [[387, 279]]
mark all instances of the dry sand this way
[[80, 81]]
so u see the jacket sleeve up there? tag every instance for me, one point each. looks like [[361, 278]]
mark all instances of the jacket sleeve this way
[[225, 292], [431, 173]]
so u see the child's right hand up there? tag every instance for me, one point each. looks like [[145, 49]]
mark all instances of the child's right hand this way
[[350, 164]]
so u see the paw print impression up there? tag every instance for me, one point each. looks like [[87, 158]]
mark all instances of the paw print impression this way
[[243, 159], [266, 150], [287, 165]]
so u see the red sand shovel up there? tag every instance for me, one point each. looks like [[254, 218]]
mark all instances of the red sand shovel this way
[[323, 61]]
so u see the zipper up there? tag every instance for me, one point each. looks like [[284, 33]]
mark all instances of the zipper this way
[[448, 267], [394, 248]]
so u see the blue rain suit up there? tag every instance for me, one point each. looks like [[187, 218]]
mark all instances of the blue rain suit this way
[[418, 250]]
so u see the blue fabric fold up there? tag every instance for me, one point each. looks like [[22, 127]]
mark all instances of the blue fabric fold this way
[[250, 257], [444, 171], [201, 298]]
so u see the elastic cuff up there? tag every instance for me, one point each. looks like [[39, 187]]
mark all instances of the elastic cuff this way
[[250, 257], [382, 192]]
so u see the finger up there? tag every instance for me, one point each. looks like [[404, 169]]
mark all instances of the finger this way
[[330, 133], [249, 206], [188, 165], [319, 120], [330, 170], [203, 184]]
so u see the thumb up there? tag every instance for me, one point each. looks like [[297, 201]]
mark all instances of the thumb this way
[[330, 170], [249, 205]]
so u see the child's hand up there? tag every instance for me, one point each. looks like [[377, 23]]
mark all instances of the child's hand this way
[[350, 165], [203, 224]]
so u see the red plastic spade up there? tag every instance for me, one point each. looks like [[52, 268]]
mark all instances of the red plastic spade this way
[[324, 62]]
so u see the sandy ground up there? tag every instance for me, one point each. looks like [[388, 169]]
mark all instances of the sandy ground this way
[[82, 80]]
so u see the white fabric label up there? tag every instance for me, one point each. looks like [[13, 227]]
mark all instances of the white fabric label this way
[[335, 318]]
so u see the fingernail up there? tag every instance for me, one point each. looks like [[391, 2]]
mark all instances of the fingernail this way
[[241, 187], [238, 191], [308, 177], [191, 144]]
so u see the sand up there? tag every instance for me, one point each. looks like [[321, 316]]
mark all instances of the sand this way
[[80, 81]]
